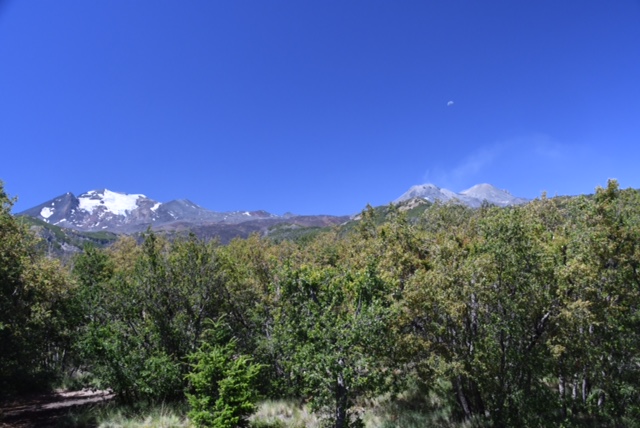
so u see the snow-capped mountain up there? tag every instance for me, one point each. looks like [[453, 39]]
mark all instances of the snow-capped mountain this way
[[473, 197], [120, 212], [493, 195], [105, 210]]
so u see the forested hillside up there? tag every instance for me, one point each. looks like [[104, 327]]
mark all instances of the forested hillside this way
[[519, 316]]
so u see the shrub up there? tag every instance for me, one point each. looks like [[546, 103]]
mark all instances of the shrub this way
[[223, 386]]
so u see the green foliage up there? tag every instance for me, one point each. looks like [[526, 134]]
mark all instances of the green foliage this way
[[223, 385], [34, 309], [142, 320], [519, 306], [526, 315], [293, 232], [331, 333], [144, 309]]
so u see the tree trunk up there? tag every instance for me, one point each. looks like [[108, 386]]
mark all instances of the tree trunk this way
[[561, 392], [462, 398], [341, 403]]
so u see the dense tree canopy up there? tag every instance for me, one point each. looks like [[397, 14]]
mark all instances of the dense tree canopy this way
[[35, 313], [525, 315]]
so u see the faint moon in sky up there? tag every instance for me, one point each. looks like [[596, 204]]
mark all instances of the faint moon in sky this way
[[450, 103]]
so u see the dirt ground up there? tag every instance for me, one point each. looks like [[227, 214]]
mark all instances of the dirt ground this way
[[46, 410]]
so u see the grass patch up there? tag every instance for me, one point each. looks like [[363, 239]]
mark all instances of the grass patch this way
[[114, 416], [415, 408], [283, 414]]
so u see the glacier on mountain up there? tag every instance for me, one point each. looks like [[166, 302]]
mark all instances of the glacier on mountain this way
[[46, 212], [113, 202]]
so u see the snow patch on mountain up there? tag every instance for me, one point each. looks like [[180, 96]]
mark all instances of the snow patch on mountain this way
[[46, 212], [113, 202]]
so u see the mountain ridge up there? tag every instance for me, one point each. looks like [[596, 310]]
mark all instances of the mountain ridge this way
[[473, 197], [122, 213], [66, 222], [104, 210]]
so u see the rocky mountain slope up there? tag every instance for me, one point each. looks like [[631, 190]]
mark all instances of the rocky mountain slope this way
[[63, 243]]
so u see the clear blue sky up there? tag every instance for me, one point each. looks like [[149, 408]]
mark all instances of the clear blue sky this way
[[316, 106]]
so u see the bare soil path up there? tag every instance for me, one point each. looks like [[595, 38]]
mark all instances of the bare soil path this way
[[45, 410]]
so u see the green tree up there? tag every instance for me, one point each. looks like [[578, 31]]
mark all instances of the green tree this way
[[596, 350], [34, 309], [145, 318], [480, 314], [331, 331], [120, 342], [223, 384]]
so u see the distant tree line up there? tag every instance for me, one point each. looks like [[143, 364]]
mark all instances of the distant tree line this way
[[518, 316]]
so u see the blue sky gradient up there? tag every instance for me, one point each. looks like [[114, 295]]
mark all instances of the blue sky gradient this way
[[316, 106]]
